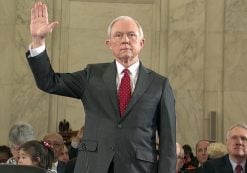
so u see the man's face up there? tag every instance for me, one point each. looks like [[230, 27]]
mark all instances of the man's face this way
[[56, 142], [125, 42], [15, 151], [237, 143], [201, 151], [64, 155]]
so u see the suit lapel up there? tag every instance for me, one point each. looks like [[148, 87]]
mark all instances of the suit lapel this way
[[109, 78], [227, 166], [143, 81]]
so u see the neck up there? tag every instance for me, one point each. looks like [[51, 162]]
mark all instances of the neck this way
[[128, 62], [238, 159]]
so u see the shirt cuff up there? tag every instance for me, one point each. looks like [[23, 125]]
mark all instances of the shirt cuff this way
[[74, 144], [36, 51]]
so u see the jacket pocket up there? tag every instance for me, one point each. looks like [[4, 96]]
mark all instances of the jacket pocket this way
[[87, 145], [145, 155]]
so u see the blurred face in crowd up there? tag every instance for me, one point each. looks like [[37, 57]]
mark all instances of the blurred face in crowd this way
[[25, 159], [64, 155], [237, 143], [15, 151], [125, 41], [201, 151], [3, 157], [180, 157], [56, 141]]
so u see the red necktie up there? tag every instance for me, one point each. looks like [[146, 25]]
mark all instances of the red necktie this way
[[124, 91], [239, 169]]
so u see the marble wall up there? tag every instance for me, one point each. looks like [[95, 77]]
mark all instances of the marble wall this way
[[199, 44]]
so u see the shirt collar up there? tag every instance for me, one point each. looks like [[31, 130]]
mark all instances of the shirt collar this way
[[234, 164], [133, 68]]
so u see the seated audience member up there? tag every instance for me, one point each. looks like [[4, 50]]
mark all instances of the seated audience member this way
[[5, 153], [201, 151], [64, 155], [19, 133], [216, 150], [36, 153], [180, 157], [190, 161], [235, 160], [57, 143]]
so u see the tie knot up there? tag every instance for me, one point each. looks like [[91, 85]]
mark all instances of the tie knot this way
[[239, 168], [126, 71]]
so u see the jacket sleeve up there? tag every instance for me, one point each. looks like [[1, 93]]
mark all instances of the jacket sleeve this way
[[64, 84], [167, 131]]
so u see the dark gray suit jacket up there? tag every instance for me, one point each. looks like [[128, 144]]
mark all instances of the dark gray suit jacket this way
[[128, 142], [220, 165]]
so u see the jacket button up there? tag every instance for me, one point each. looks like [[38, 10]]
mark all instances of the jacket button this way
[[120, 126], [112, 148]]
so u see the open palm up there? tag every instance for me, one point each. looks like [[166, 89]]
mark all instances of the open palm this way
[[40, 26]]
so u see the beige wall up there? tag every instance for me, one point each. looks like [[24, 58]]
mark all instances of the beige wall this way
[[199, 44]]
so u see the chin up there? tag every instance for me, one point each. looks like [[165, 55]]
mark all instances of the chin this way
[[125, 59]]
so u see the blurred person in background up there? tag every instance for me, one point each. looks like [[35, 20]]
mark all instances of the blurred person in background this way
[[19, 133], [64, 155], [5, 153], [190, 161], [235, 160], [37, 153], [180, 157], [216, 150], [57, 143], [201, 151]]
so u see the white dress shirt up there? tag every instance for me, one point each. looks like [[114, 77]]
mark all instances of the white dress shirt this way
[[133, 70]]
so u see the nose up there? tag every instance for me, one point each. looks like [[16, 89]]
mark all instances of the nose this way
[[125, 38], [19, 160]]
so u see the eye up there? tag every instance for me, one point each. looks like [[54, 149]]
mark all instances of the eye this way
[[132, 34], [117, 35], [244, 139]]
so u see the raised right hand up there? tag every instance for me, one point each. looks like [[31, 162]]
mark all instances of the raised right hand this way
[[40, 26]]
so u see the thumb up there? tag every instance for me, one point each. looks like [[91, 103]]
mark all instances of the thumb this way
[[53, 25]]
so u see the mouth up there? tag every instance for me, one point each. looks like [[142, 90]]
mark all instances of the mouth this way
[[238, 148], [124, 49]]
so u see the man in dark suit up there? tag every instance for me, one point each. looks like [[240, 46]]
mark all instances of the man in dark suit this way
[[235, 161], [201, 153], [57, 143], [117, 138]]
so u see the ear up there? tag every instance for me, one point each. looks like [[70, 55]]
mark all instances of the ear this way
[[108, 43], [142, 41]]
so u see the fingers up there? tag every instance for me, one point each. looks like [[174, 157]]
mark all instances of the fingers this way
[[39, 9], [32, 14], [44, 11]]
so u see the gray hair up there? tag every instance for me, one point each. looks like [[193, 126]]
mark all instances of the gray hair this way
[[20, 133], [125, 18], [243, 126]]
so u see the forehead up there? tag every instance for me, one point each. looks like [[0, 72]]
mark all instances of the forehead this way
[[202, 144], [22, 151], [238, 131], [53, 138], [125, 25]]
